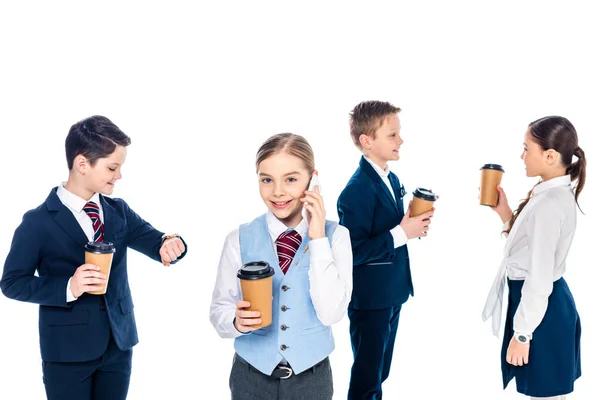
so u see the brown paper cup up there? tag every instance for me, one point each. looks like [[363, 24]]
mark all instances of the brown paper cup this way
[[491, 177], [256, 280], [422, 202], [100, 254]]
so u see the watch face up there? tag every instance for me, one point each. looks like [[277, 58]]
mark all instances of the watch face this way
[[522, 339]]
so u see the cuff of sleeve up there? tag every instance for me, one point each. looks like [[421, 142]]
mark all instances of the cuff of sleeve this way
[[400, 238], [320, 249], [70, 296]]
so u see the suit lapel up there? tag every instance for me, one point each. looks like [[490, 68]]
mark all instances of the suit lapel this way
[[398, 191], [371, 173], [65, 219], [110, 219]]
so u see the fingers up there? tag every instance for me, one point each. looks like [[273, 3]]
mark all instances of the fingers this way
[[246, 318], [313, 197], [180, 246], [91, 274], [242, 304], [245, 314], [88, 267], [526, 359]]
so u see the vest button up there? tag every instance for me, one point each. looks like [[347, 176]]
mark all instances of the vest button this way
[[283, 347], [284, 308], [284, 288], [283, 327]]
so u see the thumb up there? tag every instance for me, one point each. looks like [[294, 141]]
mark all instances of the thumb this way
[[501, 191]]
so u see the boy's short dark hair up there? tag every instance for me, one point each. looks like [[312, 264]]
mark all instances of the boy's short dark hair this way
[[94, 138], [367, 117]]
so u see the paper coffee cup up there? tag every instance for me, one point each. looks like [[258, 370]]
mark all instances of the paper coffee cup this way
[[256, 279], [422, 202], [100, 254], [491, 176]]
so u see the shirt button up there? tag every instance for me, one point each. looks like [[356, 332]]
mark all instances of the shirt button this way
[[283, 347], [284, 288], [283, 327], [284, 308]]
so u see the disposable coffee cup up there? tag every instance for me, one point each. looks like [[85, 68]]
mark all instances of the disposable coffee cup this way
[[422, 202], [491, 176], [100, 254], [256, 279]]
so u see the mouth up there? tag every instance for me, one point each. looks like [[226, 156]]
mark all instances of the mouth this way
[[280, 205]]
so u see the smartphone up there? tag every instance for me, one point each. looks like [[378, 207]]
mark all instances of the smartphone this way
[[314, 181]]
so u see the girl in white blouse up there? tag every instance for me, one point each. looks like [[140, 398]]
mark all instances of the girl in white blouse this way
[[542, 332]]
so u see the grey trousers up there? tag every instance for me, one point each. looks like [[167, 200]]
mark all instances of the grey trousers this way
[[248, 383]]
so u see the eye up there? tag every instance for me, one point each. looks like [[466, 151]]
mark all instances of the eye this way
[[291, 180], [266, 180], [112, 169]]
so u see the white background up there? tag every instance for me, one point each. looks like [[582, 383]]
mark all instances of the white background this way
[[199, 87]]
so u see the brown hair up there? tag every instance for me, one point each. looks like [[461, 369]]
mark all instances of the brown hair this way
[[559, 134], [290, 143], [367, 117]]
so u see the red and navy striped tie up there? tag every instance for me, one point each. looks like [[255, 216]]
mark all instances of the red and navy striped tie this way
[[287, 245], [93, 211]]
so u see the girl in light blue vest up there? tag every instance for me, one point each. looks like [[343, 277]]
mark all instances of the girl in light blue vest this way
[[312, 284]]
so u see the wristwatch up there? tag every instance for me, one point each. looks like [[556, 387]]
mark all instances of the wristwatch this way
[[522, 338], [166, 237]]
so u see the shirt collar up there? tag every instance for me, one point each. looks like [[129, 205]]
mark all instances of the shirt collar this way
[[276, 227], [564, 180], [383, 173], [73, 201]]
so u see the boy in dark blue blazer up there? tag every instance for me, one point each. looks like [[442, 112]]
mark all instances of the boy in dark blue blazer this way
[[372, 209], [86, 340]]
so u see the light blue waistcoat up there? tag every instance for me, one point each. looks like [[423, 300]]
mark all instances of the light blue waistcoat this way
[[296, 334]]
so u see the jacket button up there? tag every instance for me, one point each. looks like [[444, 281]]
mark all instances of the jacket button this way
[[283, 327], [102, 307], [284, 288], [284, 308], [283, 347]]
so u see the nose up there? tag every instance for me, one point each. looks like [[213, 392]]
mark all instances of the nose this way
[[118, 175], [523, 156], [400, 141], [278, 190]]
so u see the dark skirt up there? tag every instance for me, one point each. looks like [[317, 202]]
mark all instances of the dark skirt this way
[[554, 353]]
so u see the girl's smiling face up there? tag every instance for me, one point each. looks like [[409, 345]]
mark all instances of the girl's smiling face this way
[[282, 180]]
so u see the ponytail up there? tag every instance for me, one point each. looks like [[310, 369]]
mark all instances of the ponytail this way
[[577, 172]]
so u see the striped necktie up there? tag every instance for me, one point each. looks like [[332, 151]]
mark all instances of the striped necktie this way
[[287, 245], [93, 211]]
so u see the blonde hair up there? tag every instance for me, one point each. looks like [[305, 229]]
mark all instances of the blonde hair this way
[[289, 143]]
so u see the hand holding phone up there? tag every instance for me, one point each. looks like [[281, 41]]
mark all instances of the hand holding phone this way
[[313, 210]]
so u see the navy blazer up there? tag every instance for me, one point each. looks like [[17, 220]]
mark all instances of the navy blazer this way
[[381, 273], [51, 242]]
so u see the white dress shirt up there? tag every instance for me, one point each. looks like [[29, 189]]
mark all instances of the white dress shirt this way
[[329, 274], [75, 204], [400, 238], [536, 250]]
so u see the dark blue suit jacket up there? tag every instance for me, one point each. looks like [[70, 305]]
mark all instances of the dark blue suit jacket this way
[[381, 274], [51, 242]]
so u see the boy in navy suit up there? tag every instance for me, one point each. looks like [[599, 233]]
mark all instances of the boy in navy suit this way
[[86, 340], [372, 209]]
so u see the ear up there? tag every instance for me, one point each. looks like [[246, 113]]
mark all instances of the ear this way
[[365, 141], [81, 164], [552, 156]]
